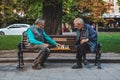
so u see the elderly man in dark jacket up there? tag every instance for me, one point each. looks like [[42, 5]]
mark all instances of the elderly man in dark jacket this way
[[86, 38]]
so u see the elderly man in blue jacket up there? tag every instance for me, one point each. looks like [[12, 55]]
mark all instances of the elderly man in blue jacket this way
[[86, 38], [41, 41]]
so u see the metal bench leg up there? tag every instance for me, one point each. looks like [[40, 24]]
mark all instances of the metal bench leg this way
[[97, 59], [18, 66], [98, 56], [99, 63], [22, 62], [20, 57]]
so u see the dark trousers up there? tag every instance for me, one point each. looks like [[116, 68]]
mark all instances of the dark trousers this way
[[81, 52]]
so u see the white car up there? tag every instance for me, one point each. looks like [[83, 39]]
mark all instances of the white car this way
[[14, 29]]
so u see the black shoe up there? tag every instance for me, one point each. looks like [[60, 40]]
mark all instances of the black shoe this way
[[43, 66], [76, 66], [86, 62]]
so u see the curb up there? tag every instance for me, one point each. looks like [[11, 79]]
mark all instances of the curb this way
[[56, 60]]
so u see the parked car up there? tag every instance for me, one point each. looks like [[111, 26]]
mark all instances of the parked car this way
[[14, 29]]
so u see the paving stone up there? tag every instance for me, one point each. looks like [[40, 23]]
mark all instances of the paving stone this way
[[60, 71]]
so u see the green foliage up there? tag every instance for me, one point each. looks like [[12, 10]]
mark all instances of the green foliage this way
[[35, 10], [118, 2], [6, 11], [69, 11], [91, 9], [32, 9]]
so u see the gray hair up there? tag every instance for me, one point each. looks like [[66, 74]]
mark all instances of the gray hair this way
[[39, 20], [79, 20]]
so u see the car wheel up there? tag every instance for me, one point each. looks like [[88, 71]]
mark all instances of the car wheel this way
[[2, 33]]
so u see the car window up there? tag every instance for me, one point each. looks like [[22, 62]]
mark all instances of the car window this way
[[18, 26], [23, 26], [13, 26]]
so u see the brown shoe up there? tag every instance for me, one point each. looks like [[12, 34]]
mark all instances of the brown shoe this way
[[36, 67]]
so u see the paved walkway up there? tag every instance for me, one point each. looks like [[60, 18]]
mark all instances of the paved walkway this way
[[60, 71]]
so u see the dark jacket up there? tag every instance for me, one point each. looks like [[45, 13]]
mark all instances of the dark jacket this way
[[91, 34]]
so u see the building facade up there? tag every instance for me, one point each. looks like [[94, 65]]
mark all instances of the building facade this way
[[112, 9], [113, 13]]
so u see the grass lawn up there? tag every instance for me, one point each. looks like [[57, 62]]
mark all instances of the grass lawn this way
[[110, 41], [9, 42]]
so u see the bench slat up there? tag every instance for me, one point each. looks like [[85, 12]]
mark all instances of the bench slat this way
[[60, 39]]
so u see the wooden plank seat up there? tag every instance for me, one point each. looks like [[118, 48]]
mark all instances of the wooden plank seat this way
[[23, 47]]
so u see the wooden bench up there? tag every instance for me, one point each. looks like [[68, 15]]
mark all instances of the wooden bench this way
[[23, 47]]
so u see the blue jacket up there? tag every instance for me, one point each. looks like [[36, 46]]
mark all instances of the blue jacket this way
[[33, 40], [91, 35]]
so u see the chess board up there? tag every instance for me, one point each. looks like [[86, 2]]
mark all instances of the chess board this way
[[60, 49]]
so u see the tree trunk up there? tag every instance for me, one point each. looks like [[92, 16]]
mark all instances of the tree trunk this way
[[5, 14], [53, 17]]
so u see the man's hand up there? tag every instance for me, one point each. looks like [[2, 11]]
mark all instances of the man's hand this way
[[84, 40], [46, 45], [57, 45]]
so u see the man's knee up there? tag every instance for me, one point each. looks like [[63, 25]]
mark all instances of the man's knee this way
[[48, 50], [42, 48], [81, 45], [45, 49]]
